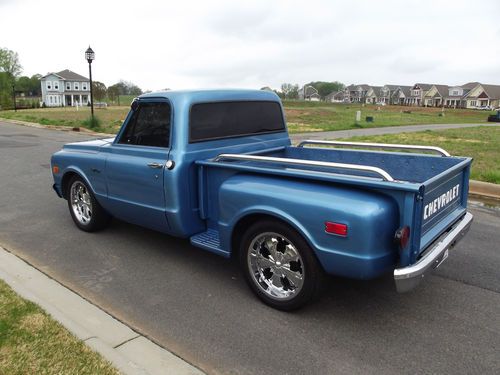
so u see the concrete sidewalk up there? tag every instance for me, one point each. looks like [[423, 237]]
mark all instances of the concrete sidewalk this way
[[128, 351]]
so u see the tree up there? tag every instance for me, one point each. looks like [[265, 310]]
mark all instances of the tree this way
[[125, 88], [30, 86], [98, 91], [290, 91], [9, 62], [113, 92]]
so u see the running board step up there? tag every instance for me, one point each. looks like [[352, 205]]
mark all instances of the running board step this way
[[209, 240]]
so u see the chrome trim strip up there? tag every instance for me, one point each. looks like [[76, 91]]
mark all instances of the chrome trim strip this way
[[366, 168], [375, 145], [407, 278]]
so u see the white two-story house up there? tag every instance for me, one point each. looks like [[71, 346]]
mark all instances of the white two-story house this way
[[65, 88]]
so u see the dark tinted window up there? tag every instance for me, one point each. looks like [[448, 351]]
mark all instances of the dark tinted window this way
[[233, 119], [149, 126]]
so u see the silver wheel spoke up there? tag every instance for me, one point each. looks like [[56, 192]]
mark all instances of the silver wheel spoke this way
[[80, 202], [276, 266]]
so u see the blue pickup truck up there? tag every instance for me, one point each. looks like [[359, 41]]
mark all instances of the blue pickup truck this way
[[218, 167]]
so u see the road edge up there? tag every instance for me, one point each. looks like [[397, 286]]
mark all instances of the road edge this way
[[130, 352]]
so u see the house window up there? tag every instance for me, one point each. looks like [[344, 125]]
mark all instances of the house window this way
[[49, 85], [68, 85], [76, 86], [84, 86], [56, 85]]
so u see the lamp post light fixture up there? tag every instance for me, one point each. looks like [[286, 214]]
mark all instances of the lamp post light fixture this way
[[90, 56], [14, 96]]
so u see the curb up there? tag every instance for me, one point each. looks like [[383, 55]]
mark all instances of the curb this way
[[484, 189], [56, 127], [130, 352]]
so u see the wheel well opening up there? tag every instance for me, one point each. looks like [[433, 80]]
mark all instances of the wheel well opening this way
[[242, 225], [65, 183]]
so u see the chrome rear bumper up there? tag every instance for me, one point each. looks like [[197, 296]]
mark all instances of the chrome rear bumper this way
[[407, 278]]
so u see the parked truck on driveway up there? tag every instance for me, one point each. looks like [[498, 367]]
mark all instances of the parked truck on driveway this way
[[218, 167]]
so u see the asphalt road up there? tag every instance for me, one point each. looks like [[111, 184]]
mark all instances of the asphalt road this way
[[197, 305]]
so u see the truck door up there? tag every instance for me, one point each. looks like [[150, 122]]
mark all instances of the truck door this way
[[136, 164]]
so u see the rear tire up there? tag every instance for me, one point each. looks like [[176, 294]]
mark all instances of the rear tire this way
[[279, 265], [85, 211]]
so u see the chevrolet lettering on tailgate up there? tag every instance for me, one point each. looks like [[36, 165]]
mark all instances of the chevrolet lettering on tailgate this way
[[440, 202]]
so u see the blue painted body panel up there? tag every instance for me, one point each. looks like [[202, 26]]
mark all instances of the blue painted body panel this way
[[205, 200]]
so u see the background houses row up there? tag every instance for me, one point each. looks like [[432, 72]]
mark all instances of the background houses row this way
[[470, 95]]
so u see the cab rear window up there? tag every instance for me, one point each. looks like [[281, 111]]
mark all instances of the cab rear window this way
[[219, 120]]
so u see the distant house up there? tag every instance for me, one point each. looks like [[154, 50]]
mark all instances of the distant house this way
[[309, 93], [372, 94], [385, 93], [335, 97], [436, 96], [400, 94], [356, 93], [417, 94], [482, 95], [65, 88]]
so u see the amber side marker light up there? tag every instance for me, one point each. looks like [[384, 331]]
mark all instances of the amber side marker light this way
[[55, 169], [336, 228]]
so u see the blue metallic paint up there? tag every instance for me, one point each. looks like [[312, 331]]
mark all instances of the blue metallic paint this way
[[199, 194]]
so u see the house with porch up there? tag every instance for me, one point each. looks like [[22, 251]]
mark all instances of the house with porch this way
[[417, 94], [436, 96], [335, 97], [356, 93], [482, 95], [399, 95], [65, 88]]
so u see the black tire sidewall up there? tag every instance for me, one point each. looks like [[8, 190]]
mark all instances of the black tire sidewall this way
[[313, 272], [98, 216]]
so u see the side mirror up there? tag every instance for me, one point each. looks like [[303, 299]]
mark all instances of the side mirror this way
[[135, 104]]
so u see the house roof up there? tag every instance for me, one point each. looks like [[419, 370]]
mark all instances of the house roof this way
[[424, 86], [67, 75], [442, 90], [71, 76], [470, 85], [493, 91]]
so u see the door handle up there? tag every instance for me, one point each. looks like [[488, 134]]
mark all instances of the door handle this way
[[155, 165]]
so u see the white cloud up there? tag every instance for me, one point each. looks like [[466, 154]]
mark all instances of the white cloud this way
[[159, 44]]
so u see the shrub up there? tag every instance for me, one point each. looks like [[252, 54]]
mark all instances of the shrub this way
[[92, 123]]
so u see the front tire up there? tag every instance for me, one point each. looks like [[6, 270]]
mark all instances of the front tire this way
[[279, 265], [86, 212]]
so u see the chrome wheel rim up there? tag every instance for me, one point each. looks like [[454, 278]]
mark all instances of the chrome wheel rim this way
[[276, 266], [80, 202]]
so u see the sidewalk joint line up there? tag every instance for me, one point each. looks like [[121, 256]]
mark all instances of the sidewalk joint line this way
[[128, 340]]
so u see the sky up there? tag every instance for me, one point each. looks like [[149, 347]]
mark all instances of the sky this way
[[186, 44]]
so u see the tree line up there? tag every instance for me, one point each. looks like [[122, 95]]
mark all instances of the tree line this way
[[11, 80]]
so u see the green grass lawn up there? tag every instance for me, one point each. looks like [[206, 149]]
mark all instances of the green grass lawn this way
[[481, 143], [33, 343], [318, 116], [301, 116]]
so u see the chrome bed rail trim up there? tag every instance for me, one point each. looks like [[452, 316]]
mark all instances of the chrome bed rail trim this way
[[439, 150], [311, 163]]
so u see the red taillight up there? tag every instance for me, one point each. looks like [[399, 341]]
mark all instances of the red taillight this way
[[402, 237], [336, 228]]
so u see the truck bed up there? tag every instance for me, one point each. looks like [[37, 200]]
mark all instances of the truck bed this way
[[430, 190]]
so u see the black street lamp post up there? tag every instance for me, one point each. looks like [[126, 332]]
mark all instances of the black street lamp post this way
[[90, 55], [14, 96]]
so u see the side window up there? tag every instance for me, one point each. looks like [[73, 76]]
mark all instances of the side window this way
[[148, 126]]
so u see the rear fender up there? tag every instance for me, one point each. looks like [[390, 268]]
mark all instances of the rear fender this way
[[372, 219]]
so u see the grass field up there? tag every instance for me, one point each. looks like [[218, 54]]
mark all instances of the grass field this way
[[481, 143], [301, 116], [32, 343]]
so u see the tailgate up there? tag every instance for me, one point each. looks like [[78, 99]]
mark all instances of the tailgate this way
[[444, 202]]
